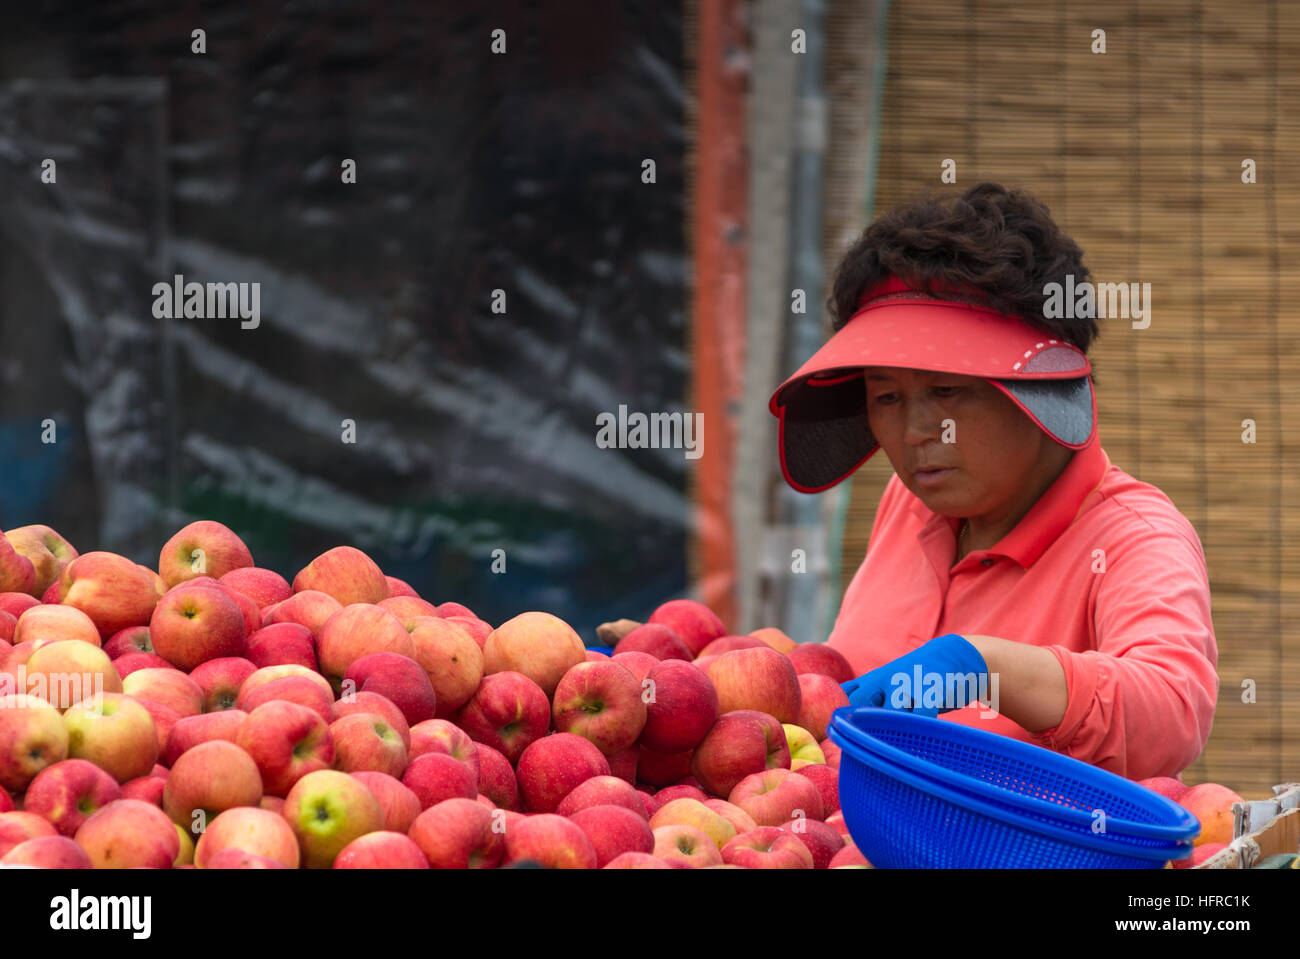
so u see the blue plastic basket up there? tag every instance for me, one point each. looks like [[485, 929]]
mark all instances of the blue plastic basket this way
[[607, 650], [925, 793]]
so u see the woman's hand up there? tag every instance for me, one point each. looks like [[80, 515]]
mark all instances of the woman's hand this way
[[945, 673]]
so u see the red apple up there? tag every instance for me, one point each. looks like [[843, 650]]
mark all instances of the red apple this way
[[446, 610], [602, 791], [827, 781], [145, 788], [209, 779], [550, 841], [15, 604], [831, 752], [287, 741], [17, 572], [237, 859], [113, 591], [133, 639], [47, 852], [400, 805], [381, 850], [18, 827], [203, 548], [450, 657], [819, 697], [345, 573], [291, 689], [263, 586], [1166, 786], [68, 792], [282, 643], [397, 677], [541, 646], [662, 769], [170, 687], [442, 736], [777, 796], [695, 623], [478, 629], [434, 777], [189, 731], [741, 820], [759, 679], [682, 707], [623, 764], [507, 712], [379, 705], [366, 742], [355, 631], [400, 587], [654, 639], [116, 733], [767, 848], [250, 831], [740, 743], [807, 658], [638, 664], [496, 778], [310, 608], [406, 608], [553, 766], [823, 841], [129, 833], [614, 830], [48, 552], [53, 623], [641, 860], [680, 791], [775, 638], [693, 812], [247, 608], [7, 626], [268, 674], [1211, 804], [849, 856], [726, 644], [195, 623], [459, 833], [601, 702], [220, 680], [67, 671]]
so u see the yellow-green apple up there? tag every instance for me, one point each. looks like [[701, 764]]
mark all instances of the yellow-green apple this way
[[310, 608], [15, 604], [760, 679], [381, 850], [602, 791], [642, 860], [209, 779], [804, 750], [695, 623], [281, 643], [48, 551], [776, 796], [203, 548], [287, 741], [624, 762], [612, 831], [662, 769], [827, 781], [291, 689], [186, 855], [257, 832], [220, 680], [478, 629], [356, 630], [145, 788], [128, 663], [189, 731], [345, 573], [739, 819], [459, 833], [508, 712], [496, 778], [128, 833], [775, 638], [551, 841], [271, 673], [740, 743], [47, 852], [171, 687], [68, 792], [686, 844], [819, 697], [541, 646], [692, 812], [380, 705], [406, 607], [17, 572], [1211, 804], [682, 707], [115, 732], [654, 639], [328, 809], [553, 766], [399, 804], [434, 777], [809, 658], [450, 657], [133, 639], [848, 858], [164, 718], [113, 591], [366, 742], [637, 663], [55, 623], [726, 644], [443, 736], [400, 587], [767, 847], [397, 677], [823, 841], [263, 586], [1166, 786], [602, 703], [68, 670], [195, 623], [18, 827]]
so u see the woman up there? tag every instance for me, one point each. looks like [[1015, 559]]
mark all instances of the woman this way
[[1009, 560]]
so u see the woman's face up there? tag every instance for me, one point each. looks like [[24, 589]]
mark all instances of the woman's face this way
[[999, 461]]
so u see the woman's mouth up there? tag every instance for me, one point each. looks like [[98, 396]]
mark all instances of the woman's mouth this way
[[932, 477]]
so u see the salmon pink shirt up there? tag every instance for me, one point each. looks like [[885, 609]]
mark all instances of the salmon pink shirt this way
[[1103, 570]]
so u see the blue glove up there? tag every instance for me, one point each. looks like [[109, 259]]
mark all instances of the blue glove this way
[[945, 673]]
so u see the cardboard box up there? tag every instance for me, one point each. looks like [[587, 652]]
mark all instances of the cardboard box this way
[[1262, 828]]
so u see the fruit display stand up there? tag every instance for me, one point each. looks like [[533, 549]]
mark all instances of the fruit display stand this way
[[1262, 828]]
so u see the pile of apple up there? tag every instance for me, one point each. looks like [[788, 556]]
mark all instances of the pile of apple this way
[[1211, 804], [211, 714]]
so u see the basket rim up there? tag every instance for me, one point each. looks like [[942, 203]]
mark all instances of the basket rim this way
[[1187, 830], [1088, 841]]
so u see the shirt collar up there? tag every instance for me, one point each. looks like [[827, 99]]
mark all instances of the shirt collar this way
[[1048, 518]]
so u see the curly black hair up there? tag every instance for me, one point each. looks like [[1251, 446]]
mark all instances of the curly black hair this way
[[1002, 243]]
